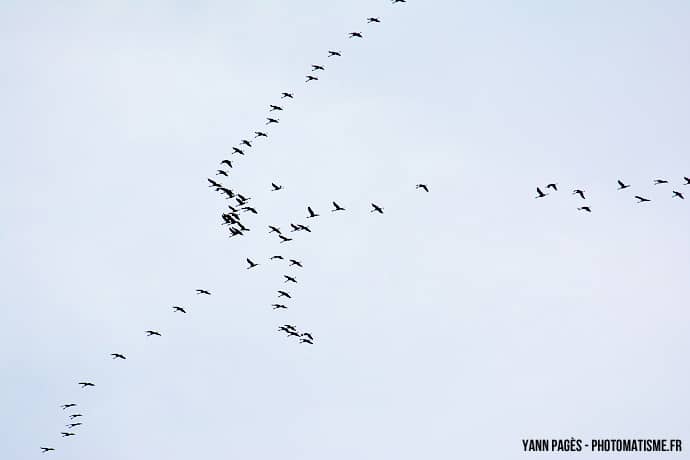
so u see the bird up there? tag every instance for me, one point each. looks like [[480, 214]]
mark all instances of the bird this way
[[237, 150], [180, 309], [277, 306], [250, 209], [337, 207], [213, 183], [334, 53], [687, 180], [277, 258], [273, 229], [370, 20], [423, 187], [275, 107], [377, 208], [553, 186], [276, 187], [579, 192], [641, 199], [284, 294], [678, 194], [67, 406], [621, 185], [72, 425], [117, 356], [73, 416], [150, 333], [314, 67], [540, 194], [86, 384], [227, 162], [311, 213], [304, 227], [260, 134], [308, 335], [285, 329], [289, 279], [296, 262], [584, 208], [311, 78], [64, 435], [295, 228], [220, 172], [251, 264], [284, 239], [246, 142], [306, 341], [660, 181], [356, 34], [46, 449], [293, 333], [203, 291], [399, 1], [290, 326], [290, 95], [272, 120]]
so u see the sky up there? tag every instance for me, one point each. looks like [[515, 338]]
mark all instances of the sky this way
[[456, 324]]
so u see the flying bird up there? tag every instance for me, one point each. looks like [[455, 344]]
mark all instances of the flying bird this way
[[311, 212], [86, 384], [423, 187], [72, 425], [117, 356], [621, 185], [284, 294], [236, 150], [251, 264], [67, 406], [584, 208], [272, 120], [46, 449], [250, 209], [220, 172], [246, 142], [227, 162], [687, 180], [311, 78], [73, 416], [399, 1], [308, 335], [296, 262], [289, 279], [213, 183], [260, 134], [370, 20], [273, 229], [376, 208], [306, 341], [277, 258], [553, 186], [180, 309], [337, 207], [275, 107], [660, 181], [64, 435], [314, 68], [284, 239], [290, 95], [334, 53], [304, 227], [295, 228], [540, 194], [641, 199], [277, 306], [678, 194], [203, 291], [150, 333], [356, 34], [276, 187], [579, 192]]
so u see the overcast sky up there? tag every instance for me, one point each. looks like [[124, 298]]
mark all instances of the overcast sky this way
[[452, 326]]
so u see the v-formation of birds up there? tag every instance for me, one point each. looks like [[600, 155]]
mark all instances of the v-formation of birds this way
[[236, 227]]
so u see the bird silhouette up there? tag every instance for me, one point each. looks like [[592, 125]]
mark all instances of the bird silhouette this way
[[311, 78], [220, 172], [284, 239], [295, 228], [86, 384], [213, 183], [237, 150], [337, 207], [314, 67], [399, 1], [275, 107], [579, 192], [284, 294], [277, 258], [276, 187], [553, 186], [227, 162], [423, 187], [311, 213], [117, 356], [678, 195], [67, 406], [203, 291], [150, 333], [290, 95], [289, 279], [296, 262], [304, 227], [584, 208], [376, 208], [47, 449], [246, 142], [251, 264], [334, 53], [73, 416], [641, 199], [356, 34], [272, 120], [250, 209], [260, 134], [370, 20], [622, 186], [180, 309], [540, 194], [277, 306], [273, 229], [660, 181], [687, 180], [308, 335], [306, 341], [65, 435], [72, 425]]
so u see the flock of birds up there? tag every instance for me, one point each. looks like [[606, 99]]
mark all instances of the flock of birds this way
[[233, 219], [621, 186]]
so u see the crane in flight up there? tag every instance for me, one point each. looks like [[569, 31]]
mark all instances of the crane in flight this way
[[180, 309], [203, 291], [377, 208], [117, 356], [334, 53], [540, 194]]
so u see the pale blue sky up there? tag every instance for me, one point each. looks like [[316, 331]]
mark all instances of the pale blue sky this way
[[451, 327]]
